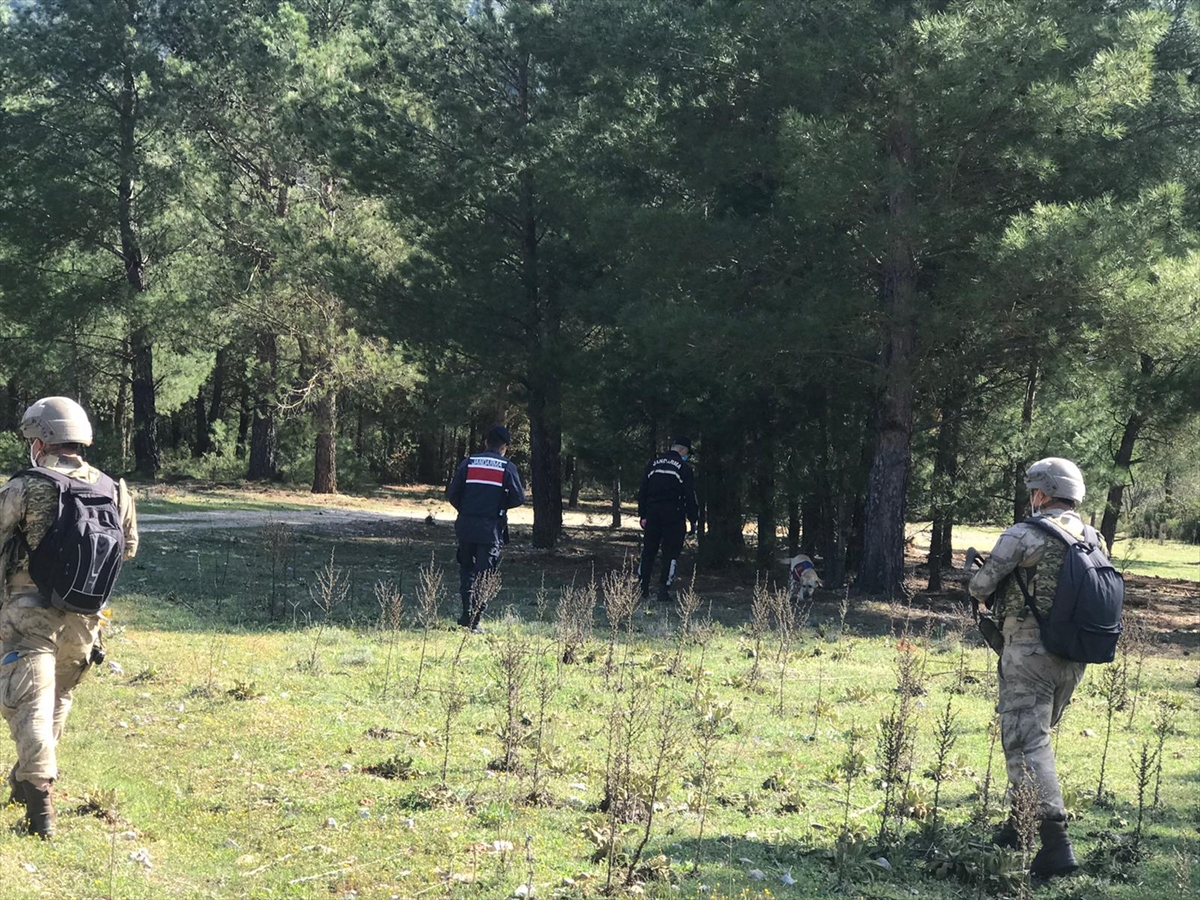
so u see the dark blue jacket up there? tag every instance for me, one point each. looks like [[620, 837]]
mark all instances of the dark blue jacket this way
[[669, 488], [484, 487]]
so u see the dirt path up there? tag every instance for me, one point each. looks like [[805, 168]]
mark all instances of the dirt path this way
[[1166, 606], [329, 516]]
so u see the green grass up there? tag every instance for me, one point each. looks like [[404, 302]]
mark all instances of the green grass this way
[[229, 756], [171, 503], [1137, 556]]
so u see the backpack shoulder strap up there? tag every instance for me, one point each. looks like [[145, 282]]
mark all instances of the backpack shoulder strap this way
[[1026, 594], [102, 485], [1049, 526], [52, 475]]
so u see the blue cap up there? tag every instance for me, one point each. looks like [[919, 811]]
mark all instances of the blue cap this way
[[499, 435]]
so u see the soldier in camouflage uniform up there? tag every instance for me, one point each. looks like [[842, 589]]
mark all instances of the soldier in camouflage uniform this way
[[1035, 685], [44, 651]]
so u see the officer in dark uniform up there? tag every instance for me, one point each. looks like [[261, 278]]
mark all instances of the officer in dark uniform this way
[[666, 500], [483, 489]]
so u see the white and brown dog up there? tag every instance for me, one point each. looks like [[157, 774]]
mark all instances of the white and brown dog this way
[[803, 580]]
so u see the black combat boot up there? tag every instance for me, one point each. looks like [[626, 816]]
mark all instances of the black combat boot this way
[[16, 793], [664, 595], [1056, 857], [1007, 836], [39, 810]]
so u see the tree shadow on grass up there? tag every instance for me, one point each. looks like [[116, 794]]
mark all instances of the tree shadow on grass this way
[[204, 578]]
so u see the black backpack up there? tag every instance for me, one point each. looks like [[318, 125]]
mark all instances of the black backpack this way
[[1084, 623], [78, 560]]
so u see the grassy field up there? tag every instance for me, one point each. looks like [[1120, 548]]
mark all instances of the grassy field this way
[[1154, 559], [251, 745]]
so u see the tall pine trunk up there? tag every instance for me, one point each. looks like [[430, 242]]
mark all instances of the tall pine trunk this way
[[429, 458], [573, 468], [145, 415], [945, 472], [263, 441], [766, 512], [722, 538], [792, 499], [545, 438], [325, 468], [1124, 460], [882, 568], [616, 500], [545, 390]]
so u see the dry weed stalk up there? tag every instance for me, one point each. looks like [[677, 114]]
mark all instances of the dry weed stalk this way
[[909, 666], [962, 624], [452, 704], [852, 765], [628, 720], [541, 601], [485, 590], [843, 611], [1112, 689], [1026, 812], [686, 603], [1164, 726], [1142, 763], [665, 753], [330, 592], [280, 538], [703, 634], [1185, 868], [452, 701], [984, 811], [710, 728], [1138, 641], [945, 736], [621, 595], [512, 667], [894, 758], [430, 587], [529, 861], [574, 619], [391, 611], [762, 606], [788, 623], [547, 687], [816, 716]]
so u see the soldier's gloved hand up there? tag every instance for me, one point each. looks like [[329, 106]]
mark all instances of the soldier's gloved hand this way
[[973, 558]]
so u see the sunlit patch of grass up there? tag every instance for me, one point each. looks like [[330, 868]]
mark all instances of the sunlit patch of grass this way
[[1137, 556], [241, 774], [276, 781]]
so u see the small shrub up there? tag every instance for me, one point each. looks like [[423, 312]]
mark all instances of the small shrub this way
[[396, 768], [244, 690]]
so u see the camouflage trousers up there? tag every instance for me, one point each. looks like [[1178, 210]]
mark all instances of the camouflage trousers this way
[[1035, 687], [43, 654]]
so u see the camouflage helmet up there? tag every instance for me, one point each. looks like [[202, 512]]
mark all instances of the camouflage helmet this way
[[1057, 477], [57, 420]]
